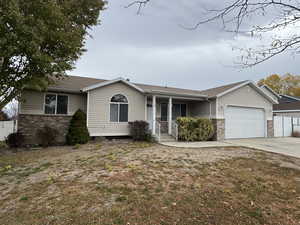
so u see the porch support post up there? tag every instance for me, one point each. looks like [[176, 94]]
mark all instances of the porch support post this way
[[154, 114], [146, 108], [170, 116]]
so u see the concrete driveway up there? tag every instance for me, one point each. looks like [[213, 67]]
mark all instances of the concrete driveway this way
[[286, 146]]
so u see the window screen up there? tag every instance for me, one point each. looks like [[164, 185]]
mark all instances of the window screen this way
[[62, 104], [123, 113], [176, 111], [50, 104], [114, 114]]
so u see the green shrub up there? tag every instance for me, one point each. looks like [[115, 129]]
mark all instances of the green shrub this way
[[195, 129], [47, 136], [139, 131], [15, 140], [78, 132]]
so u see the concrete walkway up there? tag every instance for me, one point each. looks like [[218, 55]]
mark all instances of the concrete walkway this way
[[286, 146], [203, 144]]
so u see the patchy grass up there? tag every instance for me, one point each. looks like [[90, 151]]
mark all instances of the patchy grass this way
[[140, 183], [3, 145]]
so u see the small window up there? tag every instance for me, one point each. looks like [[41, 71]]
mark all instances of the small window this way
[[119, 109], [119, 99], [56, 104]]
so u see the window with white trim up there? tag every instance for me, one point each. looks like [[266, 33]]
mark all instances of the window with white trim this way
[[119, 109], [56, 104], [178, 110]]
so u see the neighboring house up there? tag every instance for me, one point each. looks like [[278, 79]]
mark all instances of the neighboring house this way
[[287, 105], [239, 110], [288, 99], [287, 109]]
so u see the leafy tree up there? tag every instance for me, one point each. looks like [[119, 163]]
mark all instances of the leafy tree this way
[[287, 84], [78, 132], [272, 21], [40, 40]]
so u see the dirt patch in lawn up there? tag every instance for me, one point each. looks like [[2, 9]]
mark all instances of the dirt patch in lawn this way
[[140, 183]]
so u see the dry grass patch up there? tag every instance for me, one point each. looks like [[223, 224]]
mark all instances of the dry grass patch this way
[[137, 183]]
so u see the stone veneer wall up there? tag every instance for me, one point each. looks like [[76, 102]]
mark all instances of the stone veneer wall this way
[[219, 125], [28, 125], [270, 128]]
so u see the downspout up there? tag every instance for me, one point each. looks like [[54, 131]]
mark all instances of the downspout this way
[[209, 109]]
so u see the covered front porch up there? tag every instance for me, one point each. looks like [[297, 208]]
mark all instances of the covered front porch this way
[[162, 112]]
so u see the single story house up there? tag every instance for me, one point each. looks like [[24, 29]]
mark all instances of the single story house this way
[[238, 110], [287, 109], [287, 105]]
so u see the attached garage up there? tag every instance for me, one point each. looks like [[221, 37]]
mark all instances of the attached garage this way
[[243, 110], [244, 122]]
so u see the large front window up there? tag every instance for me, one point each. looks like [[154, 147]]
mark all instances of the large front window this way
[[178, 110], [56, 104], [119, 109]]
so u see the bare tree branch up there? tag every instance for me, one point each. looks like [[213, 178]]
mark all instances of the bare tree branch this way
[[139, 4], [280, 15]]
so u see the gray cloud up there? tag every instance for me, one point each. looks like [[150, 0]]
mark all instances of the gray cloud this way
[[153, 48]]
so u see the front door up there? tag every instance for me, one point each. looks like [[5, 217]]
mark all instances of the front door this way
[[150, 117]]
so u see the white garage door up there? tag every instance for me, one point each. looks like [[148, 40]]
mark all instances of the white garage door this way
[[244, 122]]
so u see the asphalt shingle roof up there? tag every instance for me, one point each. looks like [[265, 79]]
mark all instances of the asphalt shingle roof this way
[[76, 84], [213, 92], [287, 106]]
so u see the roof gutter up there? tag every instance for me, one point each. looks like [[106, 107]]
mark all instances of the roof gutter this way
[[165, 93], [281, 111]]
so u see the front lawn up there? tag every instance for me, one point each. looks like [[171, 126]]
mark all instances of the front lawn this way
[[144, 184]]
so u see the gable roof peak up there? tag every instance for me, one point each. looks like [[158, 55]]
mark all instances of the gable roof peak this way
[[109, 82]]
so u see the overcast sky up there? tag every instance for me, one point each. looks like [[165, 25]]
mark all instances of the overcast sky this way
[[153, 48]]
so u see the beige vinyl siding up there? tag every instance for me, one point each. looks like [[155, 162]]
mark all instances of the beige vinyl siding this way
[[99, 109], [245, 97], [33, 103], [77, 102]]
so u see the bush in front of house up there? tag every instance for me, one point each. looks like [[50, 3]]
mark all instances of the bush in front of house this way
[[15, 140], [47, 136], [78, 132], [139, 131], [195, 129]]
